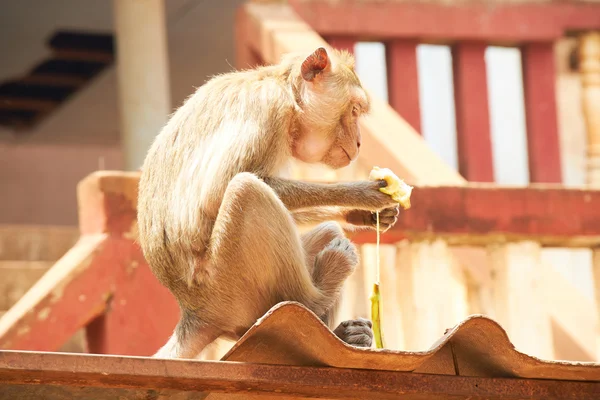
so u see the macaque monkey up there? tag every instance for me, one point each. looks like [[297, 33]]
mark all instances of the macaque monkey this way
[[217, 224]]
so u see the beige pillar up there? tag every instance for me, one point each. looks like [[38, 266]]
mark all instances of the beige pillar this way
[[518, 297], [431, 291], [596, 275], [589, 53], [142, 69]]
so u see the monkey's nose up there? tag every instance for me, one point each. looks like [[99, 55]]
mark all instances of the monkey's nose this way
[[358, 143]]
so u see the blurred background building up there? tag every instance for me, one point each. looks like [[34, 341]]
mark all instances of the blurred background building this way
[[86, 85]]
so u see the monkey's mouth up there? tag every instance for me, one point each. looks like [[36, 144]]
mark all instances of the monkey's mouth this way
[[347, 155]]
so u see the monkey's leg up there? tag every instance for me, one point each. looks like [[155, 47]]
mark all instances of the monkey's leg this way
[[317, 238], [256, 260], [256, 253], [190, 337], [356, 332]]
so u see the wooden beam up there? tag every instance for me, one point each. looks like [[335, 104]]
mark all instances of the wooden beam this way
[[104, 278], [53, 80], [471, 214], [342, 43], [30, 104], [83, 55], [403, 80], [73, 292], [69, 371], [78, 40], [473, 132], [501, 24], [539, 85], [479, 214]]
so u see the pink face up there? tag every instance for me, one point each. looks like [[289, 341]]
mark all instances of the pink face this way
[[346, 146], [336, 149]]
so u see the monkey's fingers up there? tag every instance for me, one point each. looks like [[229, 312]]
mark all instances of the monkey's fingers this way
[[361, 338], [389, 212], [351, 322], [356, 332], [383, 217], [385, 222], [396, 187]]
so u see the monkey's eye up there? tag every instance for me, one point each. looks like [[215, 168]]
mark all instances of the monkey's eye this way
[[355, 111]]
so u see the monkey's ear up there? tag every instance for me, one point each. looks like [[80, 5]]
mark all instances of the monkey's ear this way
[[314, 64]]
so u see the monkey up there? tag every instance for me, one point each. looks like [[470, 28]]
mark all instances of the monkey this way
[[218, 223]]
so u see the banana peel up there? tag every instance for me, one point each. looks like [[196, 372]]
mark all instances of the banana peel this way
[[376, 317], [399, 190]]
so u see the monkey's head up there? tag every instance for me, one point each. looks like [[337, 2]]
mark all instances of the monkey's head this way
[[331, 99]]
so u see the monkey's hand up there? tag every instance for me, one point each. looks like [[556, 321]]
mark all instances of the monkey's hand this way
[[372, 196], [396, 187], [387, 218], [356, 332]]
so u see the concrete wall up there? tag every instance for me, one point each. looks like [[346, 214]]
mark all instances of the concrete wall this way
[[38, 181], [39, 169]]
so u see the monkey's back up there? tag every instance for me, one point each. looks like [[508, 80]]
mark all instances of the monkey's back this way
[[229, 125]]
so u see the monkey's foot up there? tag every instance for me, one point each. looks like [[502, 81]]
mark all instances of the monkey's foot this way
[[340, 254], [356, 332]]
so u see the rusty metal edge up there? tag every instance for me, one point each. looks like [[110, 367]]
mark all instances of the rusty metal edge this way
[[33, 368]]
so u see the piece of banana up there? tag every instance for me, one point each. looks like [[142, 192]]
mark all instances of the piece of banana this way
[[376, 317], [396, 187]]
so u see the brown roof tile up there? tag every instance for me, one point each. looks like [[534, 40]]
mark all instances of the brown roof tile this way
[[290, 352]]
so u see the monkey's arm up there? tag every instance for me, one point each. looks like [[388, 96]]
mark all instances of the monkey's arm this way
[[351, 220], [363, 195], [316, 215]]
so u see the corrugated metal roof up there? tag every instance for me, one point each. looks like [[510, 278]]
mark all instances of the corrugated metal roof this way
[[290, 353], [478, 346]]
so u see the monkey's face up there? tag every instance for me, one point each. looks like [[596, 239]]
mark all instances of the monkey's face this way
[[335, 141], [345, 147], [333, 101]]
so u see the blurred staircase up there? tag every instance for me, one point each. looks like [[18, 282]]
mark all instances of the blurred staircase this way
[[75, 58]]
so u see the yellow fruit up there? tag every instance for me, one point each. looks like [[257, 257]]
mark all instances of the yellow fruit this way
[[396, 187]]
